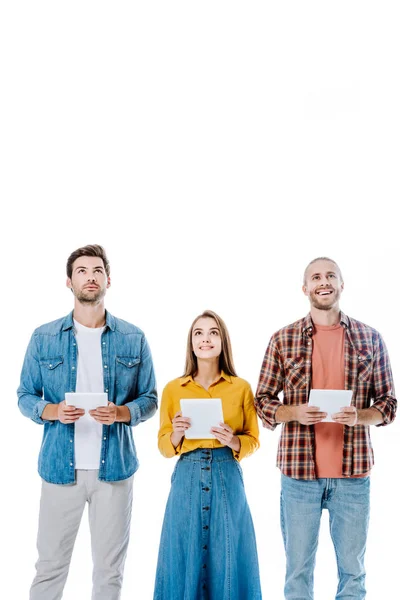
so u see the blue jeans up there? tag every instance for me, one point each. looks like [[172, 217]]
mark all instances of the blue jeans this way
[[302, 501]]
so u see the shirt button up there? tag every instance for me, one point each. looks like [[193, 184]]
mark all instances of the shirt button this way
[[105, 366], [71, 465], [104, 343], [52, 365], [308, 343], [104, 438], [106, 390], [70, 441], [102, 462], [74, 344], [129, 364], [73, 368]]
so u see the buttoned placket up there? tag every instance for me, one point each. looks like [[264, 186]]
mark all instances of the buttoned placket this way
[[72, 388], [106, 383], [205, 505], [308, 348]]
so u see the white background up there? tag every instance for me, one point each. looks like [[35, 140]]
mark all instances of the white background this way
[[213, 148]]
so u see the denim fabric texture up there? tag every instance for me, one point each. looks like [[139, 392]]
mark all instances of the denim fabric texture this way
[[49, 371], [302, 502], [208, 546]]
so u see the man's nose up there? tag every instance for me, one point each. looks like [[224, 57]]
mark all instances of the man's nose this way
[[92, 277]]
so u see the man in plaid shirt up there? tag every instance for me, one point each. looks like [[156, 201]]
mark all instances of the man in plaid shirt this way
[[325, 464]]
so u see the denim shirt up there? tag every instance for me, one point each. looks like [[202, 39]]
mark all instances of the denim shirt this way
[[50, 369]]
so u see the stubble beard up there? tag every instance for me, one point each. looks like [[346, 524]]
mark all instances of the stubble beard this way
[[85, 298], [320, 306]]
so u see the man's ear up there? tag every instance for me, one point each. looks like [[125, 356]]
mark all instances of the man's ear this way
[[68, 283], [108, 282], [305, 291]]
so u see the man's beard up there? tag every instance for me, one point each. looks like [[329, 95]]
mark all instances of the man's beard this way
[[85, 298], [316, 303]]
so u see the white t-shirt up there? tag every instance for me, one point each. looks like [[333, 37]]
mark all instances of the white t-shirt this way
[[88, 432]]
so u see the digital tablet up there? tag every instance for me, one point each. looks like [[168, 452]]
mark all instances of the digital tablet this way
[[86, 400], [330, 401], [203, 413]]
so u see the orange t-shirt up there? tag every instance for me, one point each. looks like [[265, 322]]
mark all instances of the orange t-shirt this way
[[328, 374]]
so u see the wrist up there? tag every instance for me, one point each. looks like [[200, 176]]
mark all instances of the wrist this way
[[176, 438], [123, 414], [50, 412], [285, 414], [235, 443]]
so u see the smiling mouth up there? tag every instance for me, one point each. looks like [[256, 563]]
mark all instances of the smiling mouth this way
[[206, 347], [324, 292]]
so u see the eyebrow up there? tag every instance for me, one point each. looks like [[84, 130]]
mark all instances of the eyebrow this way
[[327, 273], [83, 267], [199, 329]]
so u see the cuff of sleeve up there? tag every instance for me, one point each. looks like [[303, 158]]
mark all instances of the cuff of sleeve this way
[[135, 414], [244, 448], [38, 411], [268, 414], [381, 407], [167, 448]]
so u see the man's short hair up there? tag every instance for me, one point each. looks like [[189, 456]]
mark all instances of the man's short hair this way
[[91, 250], [316, 260]]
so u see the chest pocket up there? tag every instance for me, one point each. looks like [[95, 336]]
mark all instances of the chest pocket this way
[[364, 368], [52, 373], [296, 373], [126, 372]]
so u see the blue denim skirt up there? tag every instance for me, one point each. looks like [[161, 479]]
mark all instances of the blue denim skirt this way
[[208, 546]]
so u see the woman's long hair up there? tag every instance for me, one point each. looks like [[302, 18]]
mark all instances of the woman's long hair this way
[[225, 358]]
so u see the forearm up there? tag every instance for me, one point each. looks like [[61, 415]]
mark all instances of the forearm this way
[[50, 412], [369, 416], [123, 414], [176, 438], [235, 444], [285, 413]]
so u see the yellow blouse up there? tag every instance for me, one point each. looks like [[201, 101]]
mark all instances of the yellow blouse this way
[[237, 407]]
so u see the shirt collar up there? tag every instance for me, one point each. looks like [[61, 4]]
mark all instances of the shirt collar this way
[[185, 380], [308, 324], [69, 321]]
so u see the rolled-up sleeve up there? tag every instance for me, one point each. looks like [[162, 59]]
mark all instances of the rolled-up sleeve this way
[[145, 404], [30, 391], [249, 440], [383, 386], [167, 412], [269, 385]]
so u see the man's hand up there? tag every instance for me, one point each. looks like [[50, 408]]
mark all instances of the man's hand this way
[[347, 416], [68, 414], [308, 415], [106, 415]]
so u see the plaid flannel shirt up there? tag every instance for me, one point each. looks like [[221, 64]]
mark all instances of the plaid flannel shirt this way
[[287, 367]]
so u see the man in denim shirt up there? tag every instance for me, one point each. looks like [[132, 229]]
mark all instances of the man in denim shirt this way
[[86, 457]]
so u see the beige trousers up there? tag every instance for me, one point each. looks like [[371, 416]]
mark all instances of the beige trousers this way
[[61, 508]]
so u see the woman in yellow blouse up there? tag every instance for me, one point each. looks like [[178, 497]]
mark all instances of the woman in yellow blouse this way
[[208, 548]]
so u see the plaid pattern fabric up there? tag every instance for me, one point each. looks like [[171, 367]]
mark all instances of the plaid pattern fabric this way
[[287, 367]]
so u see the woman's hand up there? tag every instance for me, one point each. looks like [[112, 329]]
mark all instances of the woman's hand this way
[[179, 426], [226, 437]]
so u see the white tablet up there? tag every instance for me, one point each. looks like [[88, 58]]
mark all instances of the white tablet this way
[[330, 401], [86, 400], [203, 413]]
